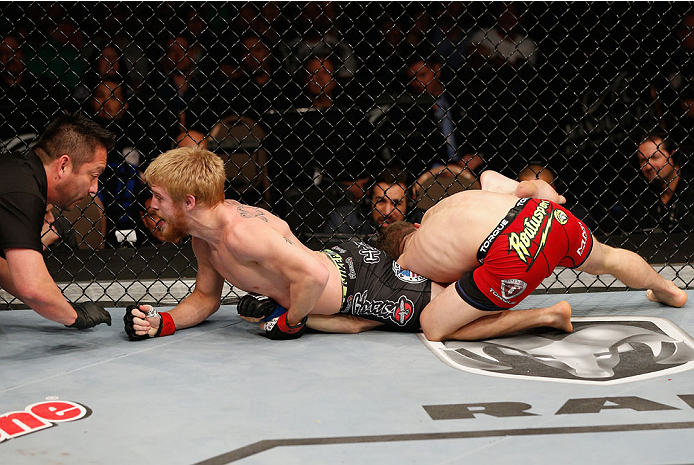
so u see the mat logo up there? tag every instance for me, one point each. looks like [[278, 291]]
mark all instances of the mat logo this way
[[407, 276], [600, 350], [40, 416]]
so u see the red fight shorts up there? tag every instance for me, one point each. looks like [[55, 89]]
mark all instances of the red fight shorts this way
[[526, 246]]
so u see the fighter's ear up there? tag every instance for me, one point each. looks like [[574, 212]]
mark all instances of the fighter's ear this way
[[190, 202]]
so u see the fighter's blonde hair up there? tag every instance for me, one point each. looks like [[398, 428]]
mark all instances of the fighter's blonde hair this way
[[189, 170]]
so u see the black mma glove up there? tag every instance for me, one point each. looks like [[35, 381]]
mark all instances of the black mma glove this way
[[89, 314], [273, 314], [257, 306], [166, 323], [128, 320]]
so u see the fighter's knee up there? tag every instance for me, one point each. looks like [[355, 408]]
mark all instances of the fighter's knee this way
[[431, 331]]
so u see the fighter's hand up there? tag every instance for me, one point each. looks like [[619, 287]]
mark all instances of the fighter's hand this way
[[89, 314], [255, 308], [277, 328], [142, 322], [258, 308]]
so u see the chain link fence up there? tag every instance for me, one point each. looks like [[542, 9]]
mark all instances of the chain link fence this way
[[317, 107]]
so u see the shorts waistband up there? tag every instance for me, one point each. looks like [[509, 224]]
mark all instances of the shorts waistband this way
[[510, 216], [339, 263]]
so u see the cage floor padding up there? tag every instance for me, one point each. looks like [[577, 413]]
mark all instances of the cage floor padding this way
[[222, 393]]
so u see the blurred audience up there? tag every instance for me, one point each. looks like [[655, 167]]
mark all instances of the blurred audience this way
[[120, 181], [319, 35], [28, 102]]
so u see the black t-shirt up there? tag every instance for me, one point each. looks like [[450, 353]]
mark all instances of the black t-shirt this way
[[23, 191]]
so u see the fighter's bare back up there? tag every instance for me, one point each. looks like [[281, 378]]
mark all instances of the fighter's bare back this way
[[236, 258], [445, 246]]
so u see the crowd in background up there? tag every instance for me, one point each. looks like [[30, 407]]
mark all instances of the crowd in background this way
[[336, 109]]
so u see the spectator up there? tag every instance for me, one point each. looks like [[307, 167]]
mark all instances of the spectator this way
[[504, 44], [24, 106], [107, 63], [59, 54], [441, 119], [539, 169], [170, 88], [505, 87], [57, 232], [669, 201], [320, 84], [320, 36], [385, 60], [252, 91], [120, 181], [387, 201], [450, 39]]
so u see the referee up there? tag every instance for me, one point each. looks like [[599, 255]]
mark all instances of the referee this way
[[62, 169]]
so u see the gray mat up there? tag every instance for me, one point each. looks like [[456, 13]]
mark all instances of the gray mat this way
[[221, 393]]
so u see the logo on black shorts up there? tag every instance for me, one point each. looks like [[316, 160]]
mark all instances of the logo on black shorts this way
[[407, 275], [399, 312], [600, 350]]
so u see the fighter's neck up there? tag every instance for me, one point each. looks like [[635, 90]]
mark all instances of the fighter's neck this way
[[208, 223]]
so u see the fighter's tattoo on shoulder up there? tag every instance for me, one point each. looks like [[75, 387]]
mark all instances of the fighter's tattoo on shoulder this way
[[251, 212], [288, 241]]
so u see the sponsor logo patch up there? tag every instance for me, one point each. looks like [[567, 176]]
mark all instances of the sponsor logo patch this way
[[511, 288], [399, 312], [600, 350], [561, 217], [40, 416], [407, 276], [522, 243], [370, 255]]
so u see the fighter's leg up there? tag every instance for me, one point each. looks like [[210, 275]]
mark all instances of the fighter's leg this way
[[631, 269], [557, 316], [448, 316], [340, 323], [447, 313]]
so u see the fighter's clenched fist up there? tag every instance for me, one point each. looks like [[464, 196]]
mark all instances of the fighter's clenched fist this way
[[143, 321]]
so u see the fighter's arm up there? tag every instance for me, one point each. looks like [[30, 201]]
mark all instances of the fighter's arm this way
[[207, 294], [537, 189], [24, 275], [195, 308], [306, 275], [340, 323]]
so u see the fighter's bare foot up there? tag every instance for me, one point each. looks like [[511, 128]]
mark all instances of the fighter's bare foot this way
[[560, 316], [672, 296], [538, 189]]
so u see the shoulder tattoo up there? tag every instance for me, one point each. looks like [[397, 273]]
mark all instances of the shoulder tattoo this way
[[251, 212], [288, 241]]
